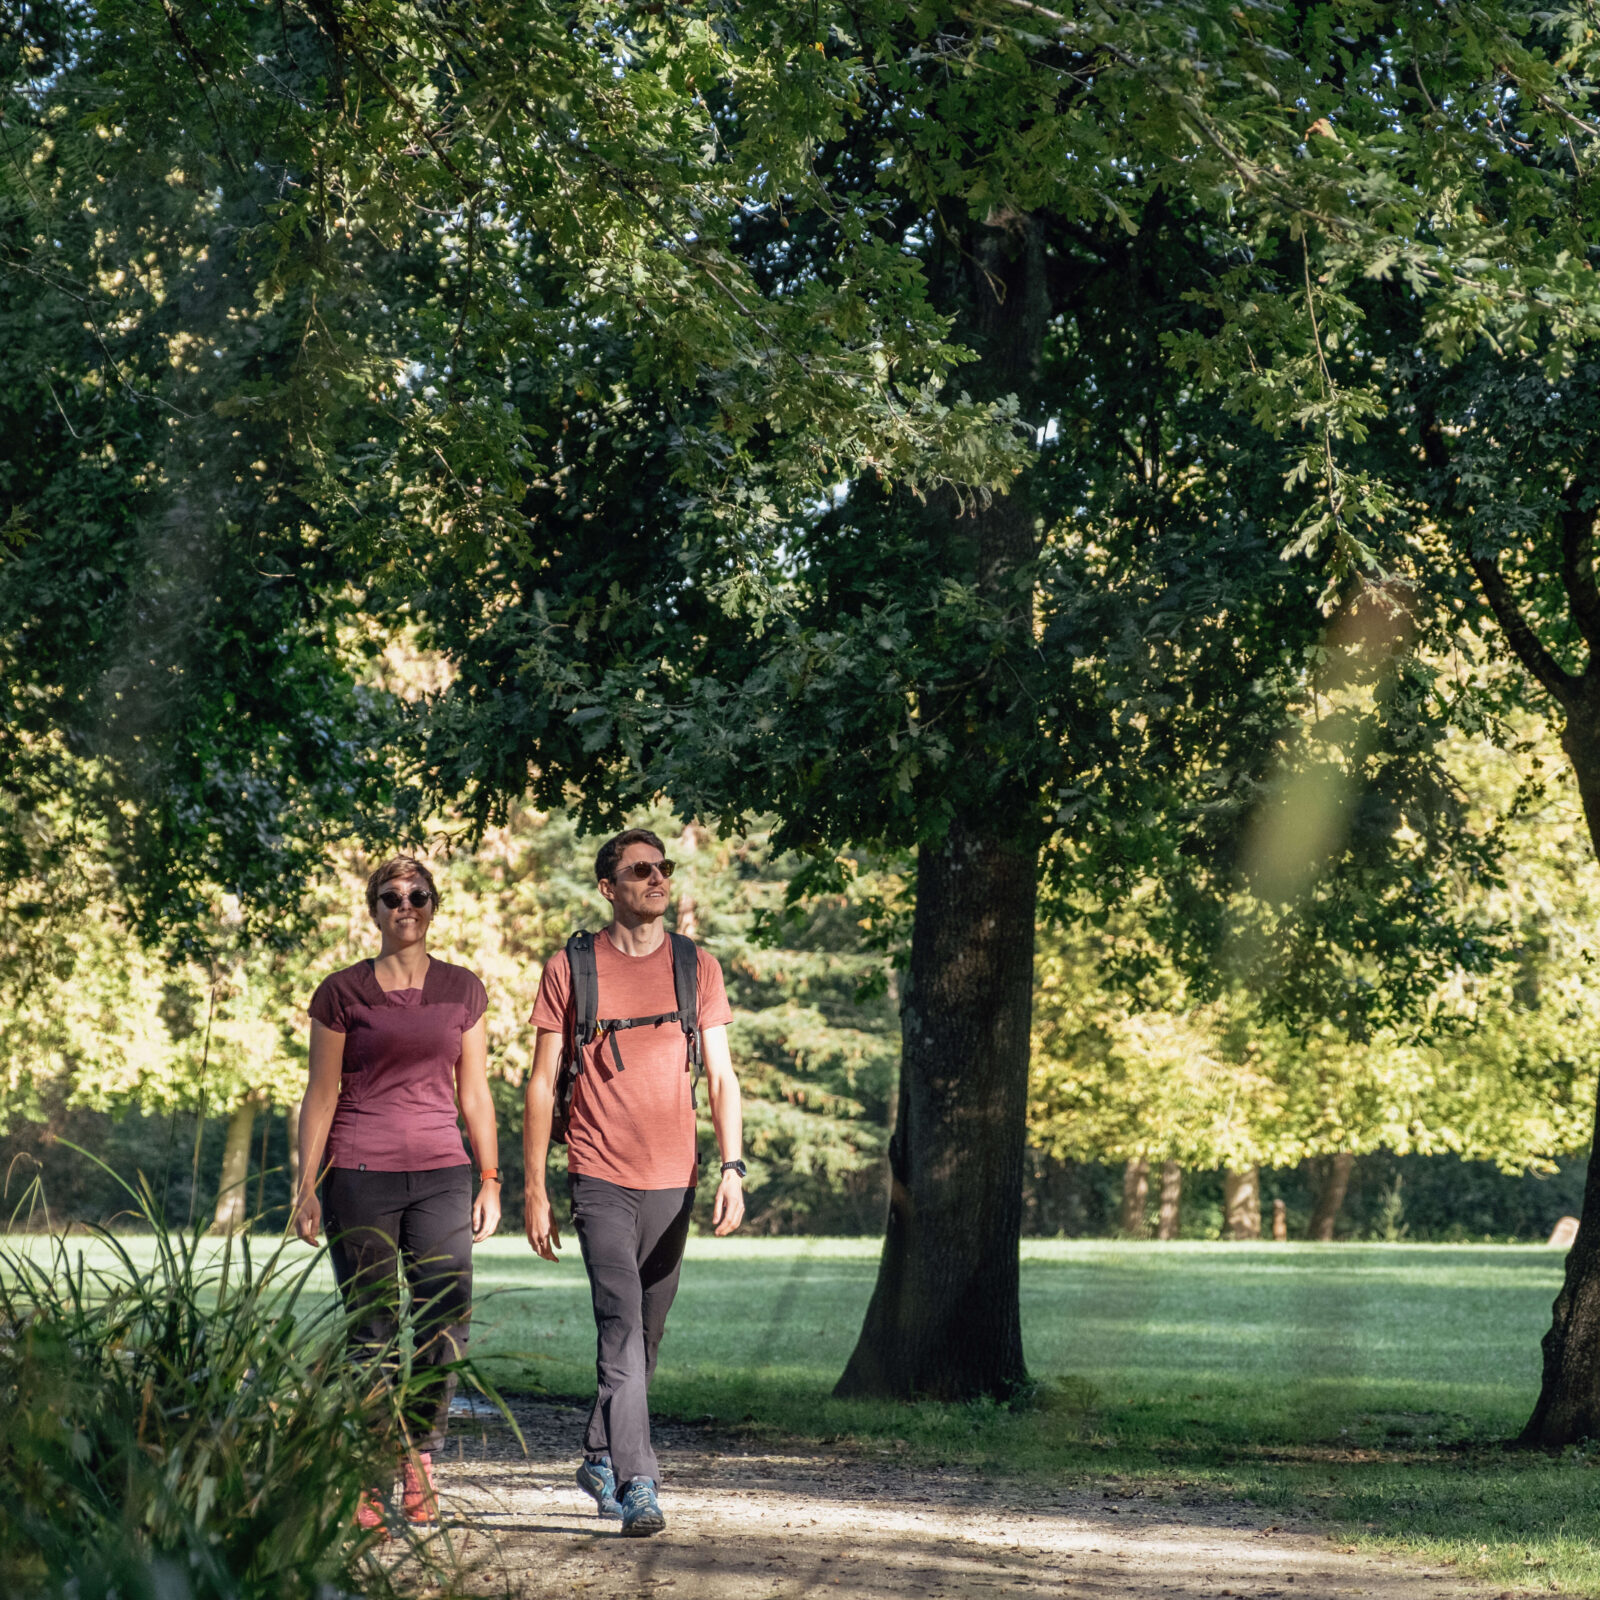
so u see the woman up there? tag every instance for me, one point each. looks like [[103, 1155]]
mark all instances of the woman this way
[[397, 1043]]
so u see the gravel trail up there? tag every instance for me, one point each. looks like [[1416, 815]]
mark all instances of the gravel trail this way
[[759, 1521]]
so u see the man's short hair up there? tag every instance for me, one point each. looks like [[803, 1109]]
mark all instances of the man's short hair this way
[[398, 867], [605, 864]]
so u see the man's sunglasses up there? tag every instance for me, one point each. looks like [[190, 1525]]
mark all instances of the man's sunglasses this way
[[417, 898], [641, 870]]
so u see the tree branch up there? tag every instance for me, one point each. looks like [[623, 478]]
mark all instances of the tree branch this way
[[1577, 566], [1524, 642]]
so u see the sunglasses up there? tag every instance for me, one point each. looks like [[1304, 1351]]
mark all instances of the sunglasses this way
[[640, 870], [417, 898]]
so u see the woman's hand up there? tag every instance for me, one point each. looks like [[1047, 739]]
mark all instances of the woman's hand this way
[[308, 1216], [486, 1211]]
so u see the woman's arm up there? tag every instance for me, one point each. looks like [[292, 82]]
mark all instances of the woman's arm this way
[[727, 1118], [477, 1110], [316, 1117]]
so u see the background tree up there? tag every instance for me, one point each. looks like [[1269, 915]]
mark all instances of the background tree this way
[[1499, 1065], [1462, 466]]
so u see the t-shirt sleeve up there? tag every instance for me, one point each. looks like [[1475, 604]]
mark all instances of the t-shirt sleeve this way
[[327, 1006], [555, 994], [715, 1012], [477, 1000]]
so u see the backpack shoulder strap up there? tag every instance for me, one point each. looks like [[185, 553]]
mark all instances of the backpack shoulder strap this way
[[686, 989], [585, 987]]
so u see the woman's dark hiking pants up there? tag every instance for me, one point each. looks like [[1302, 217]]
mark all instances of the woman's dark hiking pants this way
[[381, 1224], [632, 1241]]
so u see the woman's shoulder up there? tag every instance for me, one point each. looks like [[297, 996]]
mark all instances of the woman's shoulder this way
[[351, 980], [447, 982], [340, 992]]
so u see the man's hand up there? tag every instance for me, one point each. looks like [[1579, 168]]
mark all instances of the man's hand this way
[[727, 1210], [308, 1216], [540, 1223], [486, 1211]]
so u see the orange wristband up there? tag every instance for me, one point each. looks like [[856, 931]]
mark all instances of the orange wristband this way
[[489, 1175]]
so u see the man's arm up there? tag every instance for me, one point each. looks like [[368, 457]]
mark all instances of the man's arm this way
[[538, 1105], [727, 1117]]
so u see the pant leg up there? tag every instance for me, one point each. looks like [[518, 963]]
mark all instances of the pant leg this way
[[436, 1254], [606, 1218], [362, 1212], [663, 1232]]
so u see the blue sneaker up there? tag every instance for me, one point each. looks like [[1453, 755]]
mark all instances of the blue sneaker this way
[[641, 1513], [596, 1478]]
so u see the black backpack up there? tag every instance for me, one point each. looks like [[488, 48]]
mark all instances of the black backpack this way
[[584, 1024]]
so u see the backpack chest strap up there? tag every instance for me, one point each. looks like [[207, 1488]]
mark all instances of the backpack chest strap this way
[[607, 1029]]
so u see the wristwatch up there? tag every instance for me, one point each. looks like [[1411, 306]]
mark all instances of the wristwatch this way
[[735, 1166]]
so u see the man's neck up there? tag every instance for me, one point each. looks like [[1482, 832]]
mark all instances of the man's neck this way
[[637, 938]]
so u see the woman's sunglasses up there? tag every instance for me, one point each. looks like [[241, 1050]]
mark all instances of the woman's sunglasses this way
[[641, 870], [417, 898]]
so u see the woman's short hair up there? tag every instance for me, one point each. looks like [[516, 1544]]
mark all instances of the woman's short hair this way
[[398, 867], [605, 864]]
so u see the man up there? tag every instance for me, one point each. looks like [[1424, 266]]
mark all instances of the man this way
[[631, 1154]]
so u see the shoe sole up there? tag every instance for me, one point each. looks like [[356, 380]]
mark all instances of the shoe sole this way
[[643, 1527]]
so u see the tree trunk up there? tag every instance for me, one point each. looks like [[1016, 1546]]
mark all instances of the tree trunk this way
[[1568, 1408], [1170, 1216], [1241, 1203], [1332, 1176], [945, 1320], [232, 1196], [1135, 1198]]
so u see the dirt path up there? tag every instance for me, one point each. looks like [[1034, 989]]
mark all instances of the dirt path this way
[[755, 1521]]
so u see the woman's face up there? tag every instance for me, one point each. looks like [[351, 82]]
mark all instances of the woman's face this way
[[398, 920]]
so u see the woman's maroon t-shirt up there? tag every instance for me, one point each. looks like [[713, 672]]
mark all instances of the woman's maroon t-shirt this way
[[397, 1095]]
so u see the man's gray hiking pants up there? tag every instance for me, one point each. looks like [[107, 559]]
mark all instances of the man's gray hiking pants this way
[[632, 1242]]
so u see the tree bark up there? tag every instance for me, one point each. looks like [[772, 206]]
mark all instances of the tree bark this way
[[232, 1197], [1170, 1215], [1332, 1175], [1135, 1198], [1241, 1203], [945, 1320]]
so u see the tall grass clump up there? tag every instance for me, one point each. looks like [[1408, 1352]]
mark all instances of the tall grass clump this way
[[190, 1430]]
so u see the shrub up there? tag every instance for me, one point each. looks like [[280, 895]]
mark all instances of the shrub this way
[[191, 1430]]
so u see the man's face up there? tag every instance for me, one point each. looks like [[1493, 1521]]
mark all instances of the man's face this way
[[644, 898]]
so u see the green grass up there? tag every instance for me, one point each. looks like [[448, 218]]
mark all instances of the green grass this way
[[1365, 1385]]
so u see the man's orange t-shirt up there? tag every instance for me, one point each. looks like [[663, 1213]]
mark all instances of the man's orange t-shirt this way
[[634, 1128]]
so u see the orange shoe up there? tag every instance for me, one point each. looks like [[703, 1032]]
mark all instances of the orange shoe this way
[[418, 1501], [369, 1513]]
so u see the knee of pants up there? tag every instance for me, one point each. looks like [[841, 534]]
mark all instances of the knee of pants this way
[[441, 1299], [621, 1353], [373, 1312]]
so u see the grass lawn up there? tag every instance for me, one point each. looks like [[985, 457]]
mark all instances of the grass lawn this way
[[1367, 1385]]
